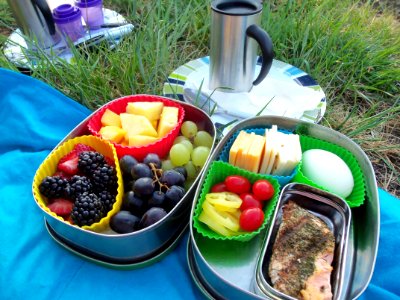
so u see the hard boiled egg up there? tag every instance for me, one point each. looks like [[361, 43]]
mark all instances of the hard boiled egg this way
[[329, 171]]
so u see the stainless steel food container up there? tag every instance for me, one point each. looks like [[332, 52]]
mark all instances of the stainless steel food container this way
[[227, 270], [332, 210], [136, 248]]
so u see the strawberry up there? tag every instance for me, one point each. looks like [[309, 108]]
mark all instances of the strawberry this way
[[62, 175], [61, 207], [69, 163]]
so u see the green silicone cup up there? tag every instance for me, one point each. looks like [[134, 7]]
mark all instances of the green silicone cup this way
[[217, 173], [357, 196]]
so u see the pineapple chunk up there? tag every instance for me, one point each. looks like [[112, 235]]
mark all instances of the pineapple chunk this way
[[110, 118], [112, 133], [168, 120], [137, 125], [151, 110], [141, 140]]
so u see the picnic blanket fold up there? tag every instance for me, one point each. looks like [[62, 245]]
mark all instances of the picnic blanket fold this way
[[34, 117]]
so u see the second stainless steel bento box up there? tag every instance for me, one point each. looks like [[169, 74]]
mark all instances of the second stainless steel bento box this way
[[228, 269]]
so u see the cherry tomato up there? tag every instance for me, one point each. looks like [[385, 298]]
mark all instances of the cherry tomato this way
[[249, 201], [263, 190], [218, 188], [251, 219], [237, 184]]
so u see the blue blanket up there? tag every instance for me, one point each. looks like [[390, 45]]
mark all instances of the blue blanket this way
[[33, 118]]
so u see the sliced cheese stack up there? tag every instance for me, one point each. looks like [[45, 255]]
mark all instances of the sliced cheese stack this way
[[276, 153]]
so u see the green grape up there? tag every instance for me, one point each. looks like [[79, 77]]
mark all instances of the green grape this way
[[188, 145], [203, 138], [200, 155], [188, 184], [191, 170], [167, 165], [179, 139], [189, 129], [179, 155]]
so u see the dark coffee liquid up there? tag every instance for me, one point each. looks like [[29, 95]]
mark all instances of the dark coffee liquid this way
[[237, 7]]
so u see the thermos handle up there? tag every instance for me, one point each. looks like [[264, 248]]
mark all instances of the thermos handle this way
[[267, 50], [46, 12]]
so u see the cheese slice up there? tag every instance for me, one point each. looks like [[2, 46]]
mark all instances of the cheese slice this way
[[255, 153], [237, 147], [242, 159], [289, 155], [270, 150]]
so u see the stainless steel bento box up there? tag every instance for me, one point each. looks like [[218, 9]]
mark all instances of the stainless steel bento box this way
[[227, 270], [332, 210], [136, 248]]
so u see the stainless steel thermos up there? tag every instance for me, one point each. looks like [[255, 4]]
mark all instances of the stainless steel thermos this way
[[235, 37], [34, 18]]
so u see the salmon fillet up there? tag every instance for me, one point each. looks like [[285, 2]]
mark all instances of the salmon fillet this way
[[302, 255]]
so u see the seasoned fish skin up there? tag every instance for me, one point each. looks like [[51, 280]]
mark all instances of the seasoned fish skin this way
[[302, 255]]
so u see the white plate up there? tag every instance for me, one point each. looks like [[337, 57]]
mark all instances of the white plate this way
[[294, 93]]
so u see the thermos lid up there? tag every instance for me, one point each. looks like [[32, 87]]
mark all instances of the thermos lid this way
[[237, 7], [88, 3], [66, 13]]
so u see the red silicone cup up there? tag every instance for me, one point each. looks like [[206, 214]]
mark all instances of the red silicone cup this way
[[160, 147]]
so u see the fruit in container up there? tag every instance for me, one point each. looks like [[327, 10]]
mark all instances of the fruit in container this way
[[82, 172], [112, 133], [152, 216], [110, 118], [168, 120], [137, 125], [151, 110], [141, 123], [153, 191], [124, 222]]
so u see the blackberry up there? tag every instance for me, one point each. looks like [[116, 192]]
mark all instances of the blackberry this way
[[108, 200], [53, 187], [89, 161], [88, 209], [105, 178], [79, 185]]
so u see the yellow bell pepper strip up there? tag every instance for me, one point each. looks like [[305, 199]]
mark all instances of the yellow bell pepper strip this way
[[218, 228], [224, 200], [221, 217]]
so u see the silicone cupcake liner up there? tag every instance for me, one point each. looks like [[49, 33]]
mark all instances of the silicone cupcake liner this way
[[357, 196], [217, 173], [160, 147], [49, 167], [224, 155]]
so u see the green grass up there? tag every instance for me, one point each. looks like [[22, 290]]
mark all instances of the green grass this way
[[353, 53]]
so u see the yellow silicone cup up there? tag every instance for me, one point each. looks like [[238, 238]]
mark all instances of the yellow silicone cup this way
[[49, 167], [218, 171], [357, 196]]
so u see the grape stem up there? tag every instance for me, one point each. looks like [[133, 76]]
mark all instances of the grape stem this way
[[157, 174]]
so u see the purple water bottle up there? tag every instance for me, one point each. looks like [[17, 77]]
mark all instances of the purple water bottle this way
[[69, 21], [92, 12]]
